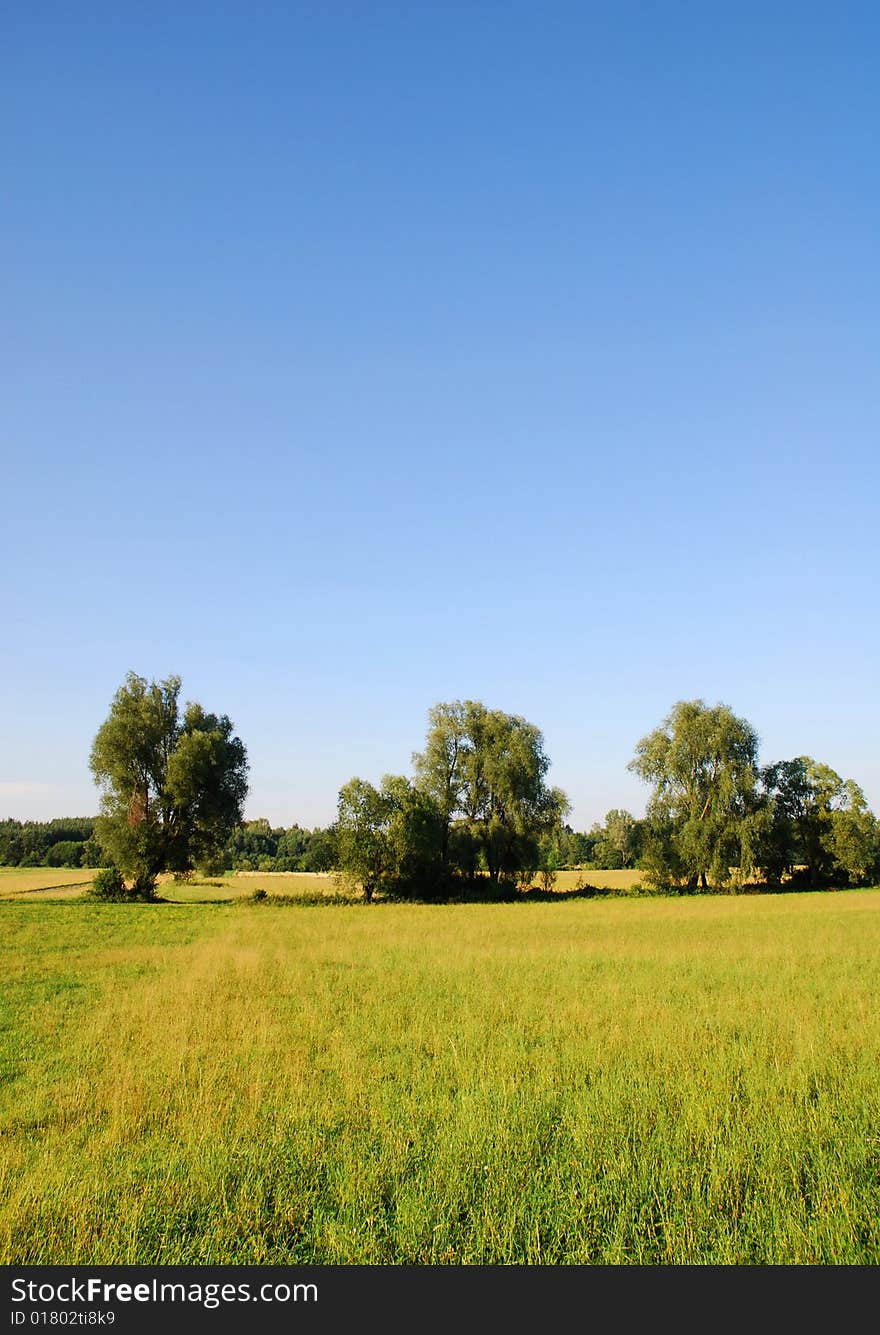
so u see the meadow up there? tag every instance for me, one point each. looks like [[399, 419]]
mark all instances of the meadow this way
[[15, 881], [613, 1080]]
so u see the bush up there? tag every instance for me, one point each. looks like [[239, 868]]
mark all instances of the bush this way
[[144, 887], [212, 866], [108, 884]]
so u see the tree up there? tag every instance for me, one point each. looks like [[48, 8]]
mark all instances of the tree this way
[[853, 840], [704, 815], [578, 846], [173, 786], [388, 838], [361, 834], [820, 822], [440, 768], [486, 772], [65, 853], [618, 845], [548, 861], [320, 851]]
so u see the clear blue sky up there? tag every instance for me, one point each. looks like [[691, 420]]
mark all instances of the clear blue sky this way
[[361, 356]]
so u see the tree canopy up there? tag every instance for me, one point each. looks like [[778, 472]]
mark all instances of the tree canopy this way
[[173, 783], [478, 806], [703, 814], [818, 822]]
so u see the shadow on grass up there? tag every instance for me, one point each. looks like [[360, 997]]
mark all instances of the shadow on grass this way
[[465, 895]]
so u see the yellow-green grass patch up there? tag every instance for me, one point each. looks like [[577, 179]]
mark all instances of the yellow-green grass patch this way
[[599, 880], [35, 880], [622, 1080], [241, 884]]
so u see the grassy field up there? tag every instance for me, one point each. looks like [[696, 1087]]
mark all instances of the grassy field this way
[[617, 1080], [16, 881]]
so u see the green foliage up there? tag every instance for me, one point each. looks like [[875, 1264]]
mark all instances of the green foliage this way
[[213, 864], [255, 845], [109, 884], [479, 805], [93, 854], [319, 854], [143, 887], [819, 822], [173, 786], [362, 817], [853, 836], [548, 861], [578, 847], [619, 842], [485, 771], [35, 843], [66, 853], [388, 839], [703, 813]]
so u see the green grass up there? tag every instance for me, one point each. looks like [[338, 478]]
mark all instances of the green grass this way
[[624, 1081]]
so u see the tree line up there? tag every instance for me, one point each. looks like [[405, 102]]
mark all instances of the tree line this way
[[65, 842], [477, 807], [254, 845], [476, 813], [257, 845]]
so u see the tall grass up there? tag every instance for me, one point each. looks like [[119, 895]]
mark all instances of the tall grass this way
[[606, 1081]]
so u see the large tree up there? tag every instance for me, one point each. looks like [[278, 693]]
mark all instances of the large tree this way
[[388, 838], [441, 767], [173, 783], [704, 814], [820, 822], [486, 770]]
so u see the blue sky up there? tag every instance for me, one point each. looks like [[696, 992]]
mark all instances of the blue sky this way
[[364, 356]]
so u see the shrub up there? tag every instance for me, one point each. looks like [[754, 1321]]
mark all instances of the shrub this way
[[108, 884], [144, 887], [213, 866]]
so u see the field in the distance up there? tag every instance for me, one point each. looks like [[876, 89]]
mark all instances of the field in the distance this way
[[15, 881], [66, 883], [312, 883], [623, 1080]]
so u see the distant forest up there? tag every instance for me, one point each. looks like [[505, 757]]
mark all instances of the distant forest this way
[[258, 846]]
